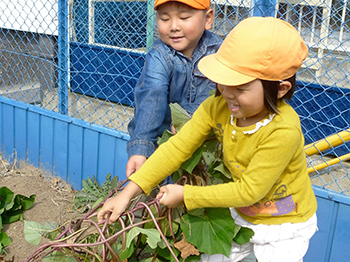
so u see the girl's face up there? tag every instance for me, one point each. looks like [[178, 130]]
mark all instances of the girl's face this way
[[246, 102], [181, 26]]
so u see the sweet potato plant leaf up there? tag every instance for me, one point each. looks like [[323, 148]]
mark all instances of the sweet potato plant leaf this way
[[177, 175], [58, 256], [153, 236], [215, 224], [165, 137], [6, 196], [115, 182], [4, 239], [98, 201], [127, 252], [12, 216], [191, 163], [25, 202], [165, 253], [33, 231], [243, 235], [223, 170], [209, 157], [151, 259], [179, 116]]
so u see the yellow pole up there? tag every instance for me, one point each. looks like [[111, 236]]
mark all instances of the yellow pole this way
[[328, 163], [327, 143]]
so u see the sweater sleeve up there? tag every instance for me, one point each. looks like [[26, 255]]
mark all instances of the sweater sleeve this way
[[170, 155]]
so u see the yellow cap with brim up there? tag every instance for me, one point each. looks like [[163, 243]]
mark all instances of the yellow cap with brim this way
[[257, 48]]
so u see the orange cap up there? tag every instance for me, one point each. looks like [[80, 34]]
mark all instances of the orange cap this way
[[196, 4], [257, 48]]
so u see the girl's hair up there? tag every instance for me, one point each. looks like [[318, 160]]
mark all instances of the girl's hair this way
[[271, 91]]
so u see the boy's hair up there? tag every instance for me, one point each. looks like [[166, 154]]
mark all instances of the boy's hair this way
[[196, 4], [264, 48], [271, 91]]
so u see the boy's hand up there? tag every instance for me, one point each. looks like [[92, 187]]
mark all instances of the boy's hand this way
[[116, 205], [134, 163], [171, 195]]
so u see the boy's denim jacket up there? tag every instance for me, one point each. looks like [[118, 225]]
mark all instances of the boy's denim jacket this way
[[167, 77]]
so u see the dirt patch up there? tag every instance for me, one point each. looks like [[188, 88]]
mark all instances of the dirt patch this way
[[53, 202]]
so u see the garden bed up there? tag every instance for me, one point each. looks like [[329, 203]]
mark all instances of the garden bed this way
[[53, 202]]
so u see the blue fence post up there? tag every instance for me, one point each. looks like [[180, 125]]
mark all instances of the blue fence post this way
[[264, 8], [150, 24], [63, 53]]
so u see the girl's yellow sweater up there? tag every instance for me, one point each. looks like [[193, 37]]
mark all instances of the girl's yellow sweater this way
[[266, 160]]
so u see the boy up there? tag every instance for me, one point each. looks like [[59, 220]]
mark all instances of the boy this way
[[171, 74]]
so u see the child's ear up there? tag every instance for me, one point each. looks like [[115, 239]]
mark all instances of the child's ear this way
[[283, 89], [209, 18]]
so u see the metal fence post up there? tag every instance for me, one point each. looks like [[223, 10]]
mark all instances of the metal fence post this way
[[264, 8], [150, 24], [63, 55]]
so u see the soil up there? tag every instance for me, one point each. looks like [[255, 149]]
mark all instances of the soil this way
[[53, 202]]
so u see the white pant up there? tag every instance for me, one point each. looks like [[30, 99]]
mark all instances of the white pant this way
[[271, 243]]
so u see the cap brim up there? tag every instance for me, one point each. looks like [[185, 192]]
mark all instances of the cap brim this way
[[193, 4], [219, 73]]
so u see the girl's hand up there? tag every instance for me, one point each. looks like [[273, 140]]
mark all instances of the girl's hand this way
[[116, 205], [171, 195]]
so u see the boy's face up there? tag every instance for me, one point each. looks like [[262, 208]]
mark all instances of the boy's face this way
[[181, 26]]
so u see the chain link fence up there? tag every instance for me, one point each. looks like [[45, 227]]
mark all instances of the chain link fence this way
[[82, 58]]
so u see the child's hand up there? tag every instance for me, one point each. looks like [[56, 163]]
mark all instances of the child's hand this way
[[134, 163], [116, 205], [171, 195]]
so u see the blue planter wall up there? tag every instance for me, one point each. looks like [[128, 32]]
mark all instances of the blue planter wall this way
[[67, 147]]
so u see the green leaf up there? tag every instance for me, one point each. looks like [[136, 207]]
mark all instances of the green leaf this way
[[12, 216], [50, 228], [58, 256], [179, 116], [115, 182], [150, 259], [117, 247], [98, 201], [127, 252], [33, 231], [223, 170], [26, 202], [209, 157], [6, 196], [153, 236], [243, 236], [215, 224], [191, 163], [4, 239], [177, 175], [165, 137], [165, 253]]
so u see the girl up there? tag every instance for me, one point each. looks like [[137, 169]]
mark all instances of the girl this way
[[262, 141]]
